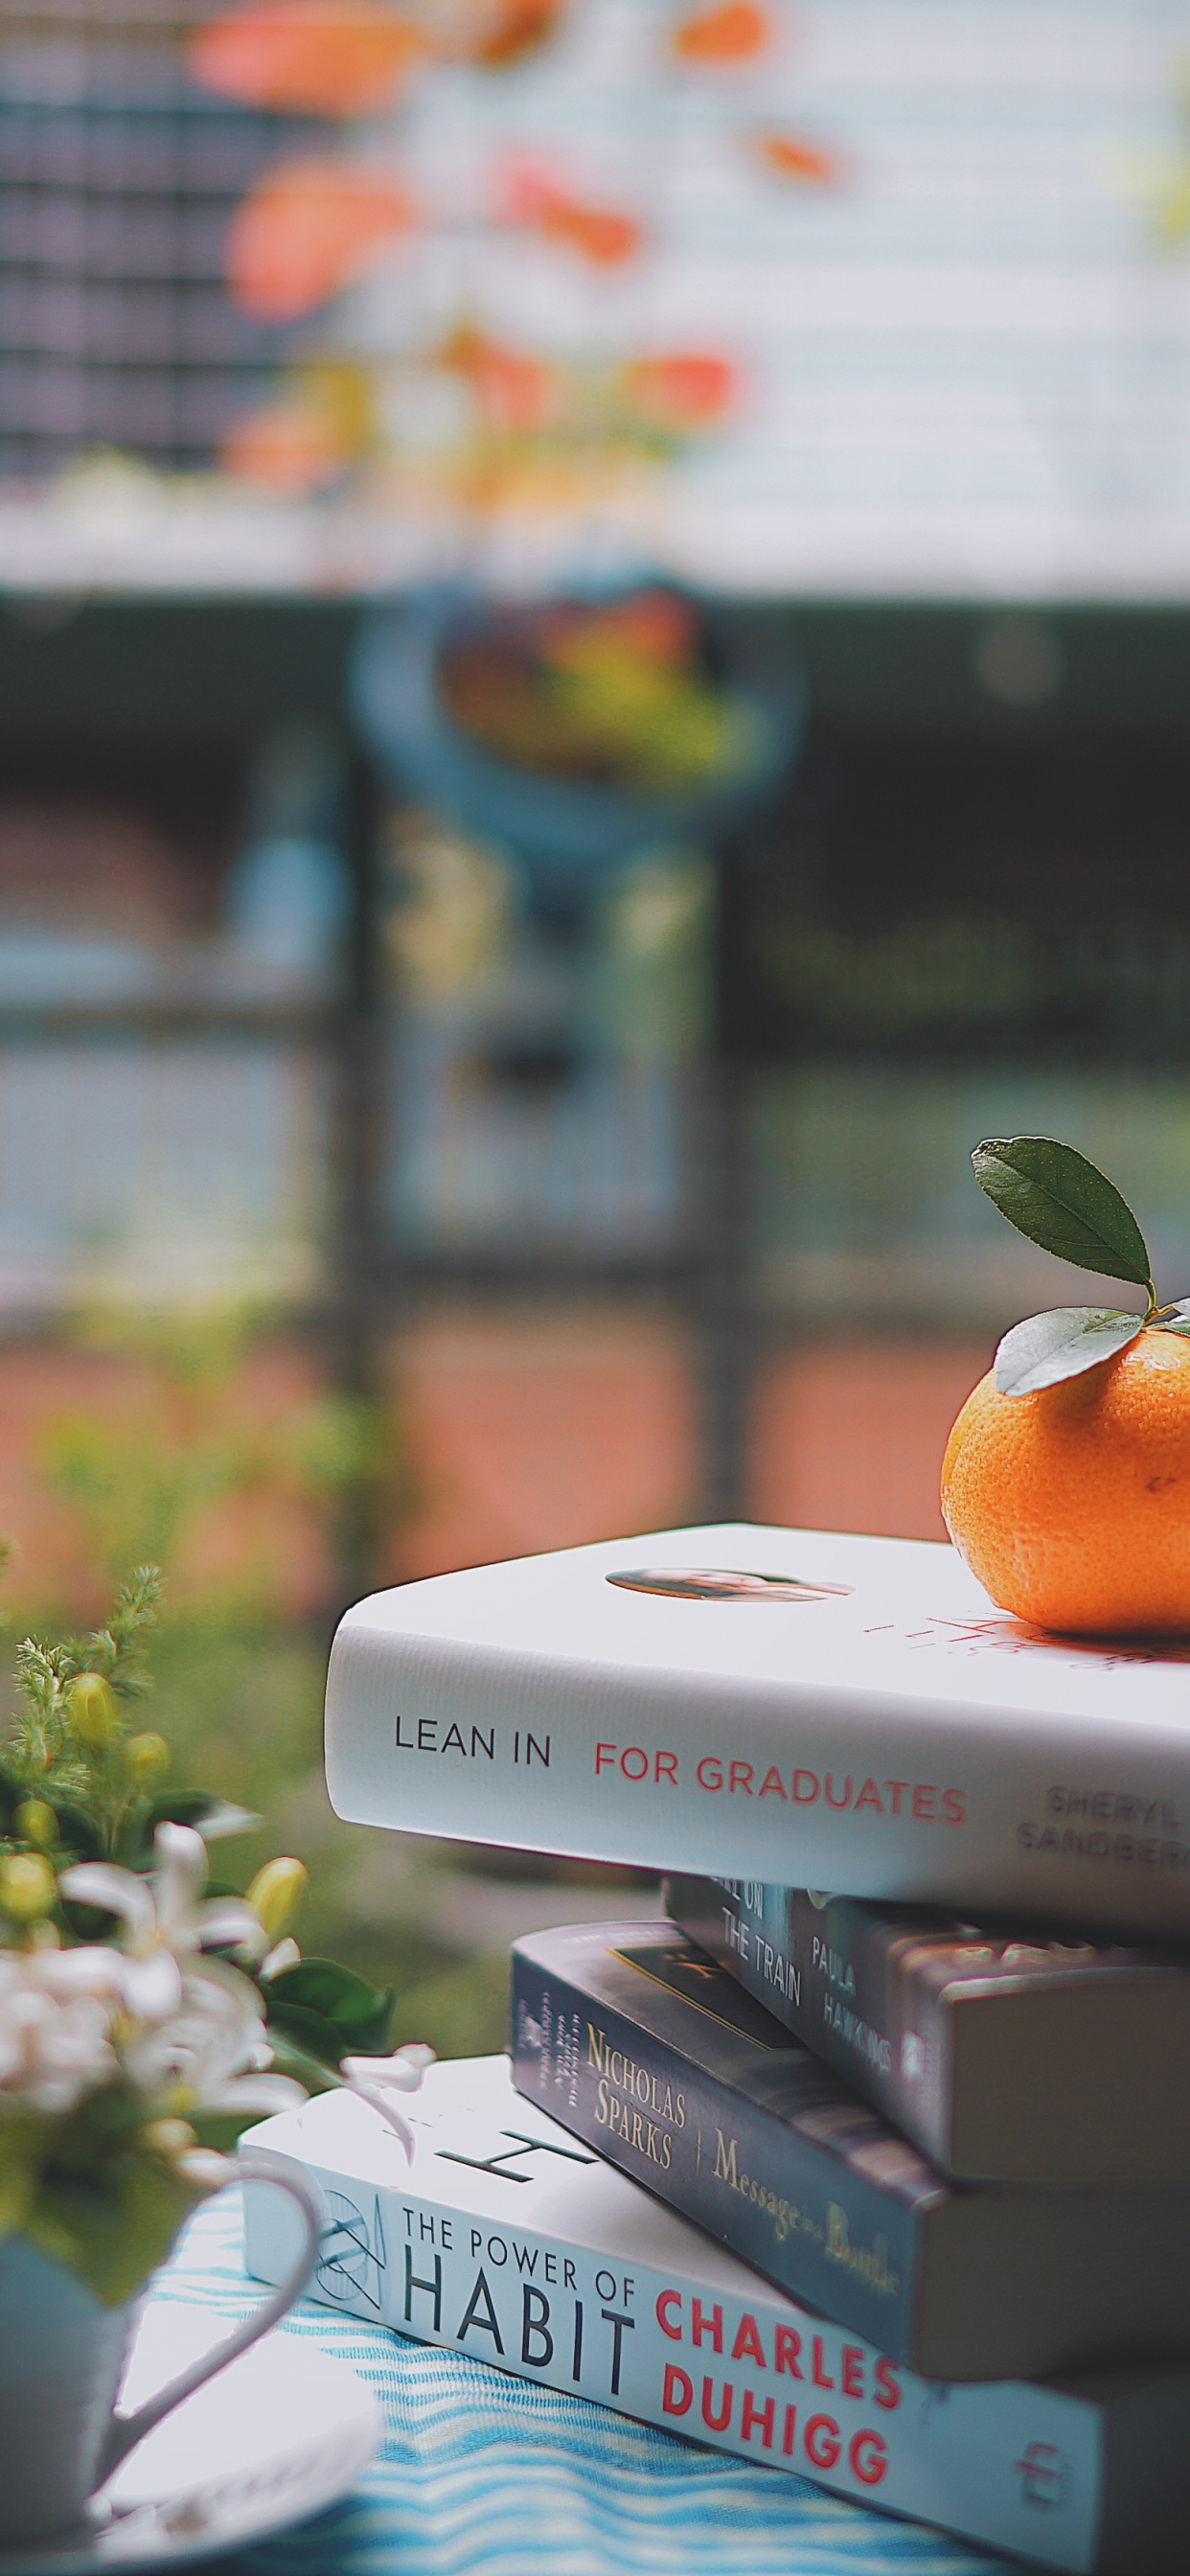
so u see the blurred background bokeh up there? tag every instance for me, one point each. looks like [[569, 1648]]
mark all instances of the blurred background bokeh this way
[[594, 683]]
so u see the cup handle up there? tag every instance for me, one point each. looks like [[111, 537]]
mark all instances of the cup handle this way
[[125, 2431]]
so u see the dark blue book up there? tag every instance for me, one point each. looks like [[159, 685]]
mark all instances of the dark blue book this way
[[636, 2042]]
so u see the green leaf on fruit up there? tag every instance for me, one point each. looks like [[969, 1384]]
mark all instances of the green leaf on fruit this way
[[1057, 1198], [1176, 1318], [1070, 1339]]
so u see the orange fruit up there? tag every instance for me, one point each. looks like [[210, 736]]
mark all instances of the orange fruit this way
[[1072, 1506]]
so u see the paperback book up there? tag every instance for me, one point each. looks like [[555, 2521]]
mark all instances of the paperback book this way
[[639, 2045], [504, 2242], [785, 1705], [1005, 2057]]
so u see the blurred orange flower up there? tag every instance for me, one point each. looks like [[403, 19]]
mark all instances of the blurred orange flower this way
[[599, 234], [285, 447], [307, 229], [512, 392], [687, 390], [504, 30], [308, 55], [731, 34], [793, 158]]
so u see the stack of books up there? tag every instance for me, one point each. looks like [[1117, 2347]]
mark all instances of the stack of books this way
[[888, 2187]]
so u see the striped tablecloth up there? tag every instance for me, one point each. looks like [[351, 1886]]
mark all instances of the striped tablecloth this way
[[483, 2475]]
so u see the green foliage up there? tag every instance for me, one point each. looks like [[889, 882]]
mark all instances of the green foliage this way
[[94, 2192], [1059, 1200], [57, 1753], [143, 1482], [100, 1808], [329, 2011]]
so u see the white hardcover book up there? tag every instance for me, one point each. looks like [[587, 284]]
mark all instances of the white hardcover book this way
[[786, 1706], [508, 2240]]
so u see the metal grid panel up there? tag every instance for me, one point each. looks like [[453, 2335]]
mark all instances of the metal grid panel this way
[[117, 182]]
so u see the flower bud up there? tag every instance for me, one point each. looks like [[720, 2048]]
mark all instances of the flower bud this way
[[36, 1823], [27, 1886], [91, 1708], [148, 1757], [275, 1894], [168, 2137]]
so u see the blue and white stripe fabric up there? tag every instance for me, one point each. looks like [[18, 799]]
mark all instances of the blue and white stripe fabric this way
[[483, 2475]]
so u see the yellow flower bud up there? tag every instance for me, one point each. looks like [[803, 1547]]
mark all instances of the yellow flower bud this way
[[147, 1757], [27, 1886], [36, 1823], [91, 1708], [275, 1894], [168, 2137]]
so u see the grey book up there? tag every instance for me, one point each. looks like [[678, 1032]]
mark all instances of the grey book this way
[[634, 2041], [1006, 2057]]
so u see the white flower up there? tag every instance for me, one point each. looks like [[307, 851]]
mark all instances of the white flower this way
[[212, 2053], [166, 1926], [285, 1955], [376, 2079], [56, 2012], [194, 2037]]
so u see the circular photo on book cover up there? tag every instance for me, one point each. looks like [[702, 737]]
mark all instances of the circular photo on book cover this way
[[722, 1583]]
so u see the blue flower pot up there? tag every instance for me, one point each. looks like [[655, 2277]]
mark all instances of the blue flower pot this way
[[565, 835]]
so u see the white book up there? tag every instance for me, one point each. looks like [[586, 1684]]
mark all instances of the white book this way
[[862, 1719], [508, 2240]]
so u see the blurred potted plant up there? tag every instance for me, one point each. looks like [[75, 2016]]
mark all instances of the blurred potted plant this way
[[83, 1806], [577, 732], [112, 2054], [147, 2013]]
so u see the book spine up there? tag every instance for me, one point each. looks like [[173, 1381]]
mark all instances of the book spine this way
[[800, 2215], [991, 1809], [1011, 2466], [822, 1968]]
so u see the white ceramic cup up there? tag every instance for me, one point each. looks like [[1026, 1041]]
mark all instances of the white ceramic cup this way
[[62, 2356]]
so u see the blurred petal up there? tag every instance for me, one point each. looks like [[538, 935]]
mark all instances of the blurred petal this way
[[227, 1923], [152, 1987], [214, 1986], [402, 2073], [597, 233], [732, 34], [512, 392], [305, 230], [601, 234], [381, 2102], [181, 1872], [790, 156], [205, 2168], [92, 1969], [308, 55], [286, 1955], [264, 2093], [687, 390], [504, 30], [116, 1891]]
